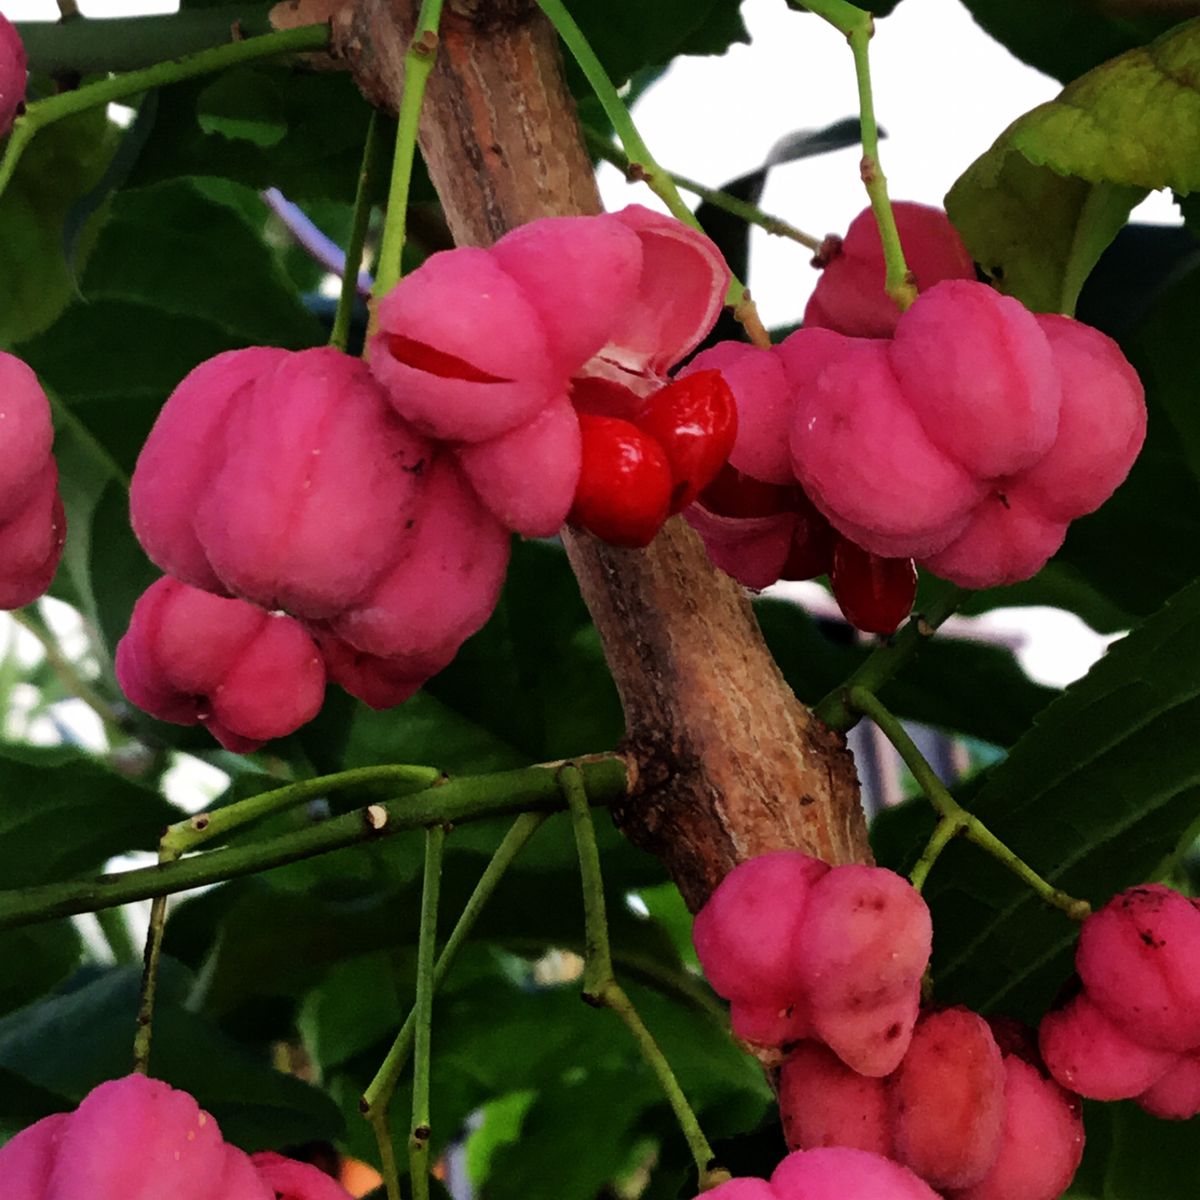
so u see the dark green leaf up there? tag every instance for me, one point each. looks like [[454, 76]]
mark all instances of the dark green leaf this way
[[246, 105], [1101, 791], [62, 813], [70, 1042], [1063, 38], [62, 164], [307, 140], [173, 246], [628, 35]]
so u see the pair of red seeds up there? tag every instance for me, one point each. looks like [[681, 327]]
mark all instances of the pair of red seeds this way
[[636, 473]]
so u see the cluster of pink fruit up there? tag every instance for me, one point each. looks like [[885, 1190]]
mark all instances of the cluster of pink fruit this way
[[831, 982], [33, 526], [12, 74], [138, 1139], [318, 517], [965, 433], [1133, 1029]]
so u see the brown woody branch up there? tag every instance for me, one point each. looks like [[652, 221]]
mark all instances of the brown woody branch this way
[[730, 763]]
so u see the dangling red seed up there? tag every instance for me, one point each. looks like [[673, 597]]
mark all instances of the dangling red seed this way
[[875, 594]]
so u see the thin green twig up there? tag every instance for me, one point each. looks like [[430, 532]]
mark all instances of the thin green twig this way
[[528, 789], [601, 989], [859, 27], [400, 779], [420, 1130], [340, 335], [603, 148], [642, 164], [951, 811], [418, 65]]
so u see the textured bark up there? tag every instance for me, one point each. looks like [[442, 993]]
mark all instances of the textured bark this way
[[730, 763]]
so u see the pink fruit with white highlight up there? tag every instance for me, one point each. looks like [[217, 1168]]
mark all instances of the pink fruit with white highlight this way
[[1095, 1057], [546, 450], [863, 457], [181, 456], [26, 434], [863, 948], [139, 1139], [31, 542], [978, 373], [315, 476], [1139, 958], [746, 935], [191, 657], [946, 1099]]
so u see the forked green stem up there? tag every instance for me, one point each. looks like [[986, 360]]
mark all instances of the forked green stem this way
[[886, 661], [380, 1089], [641, 163], [601, 989], [418, 64], [527, 789], [955, 818], [42, 113], [400, 779]]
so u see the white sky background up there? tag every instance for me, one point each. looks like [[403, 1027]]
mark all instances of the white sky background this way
[[943, 91]]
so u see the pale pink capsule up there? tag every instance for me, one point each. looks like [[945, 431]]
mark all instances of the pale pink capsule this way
[[863, 947], [26, 432], [824, 1103], [866, 461], [1093, 1056], [763, 394], [977, 371], [1101, 424], [746, 934], [1041, 1144], [461, 352], [445, 579], [1176, 1096], [946, 1099], [246, 674], [1139, 958], [839, 1173], [12, 74], [850, 295], [528, 476]]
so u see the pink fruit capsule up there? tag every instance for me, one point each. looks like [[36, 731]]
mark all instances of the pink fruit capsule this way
[[1176, 1095], [946, 1099], [746, 935], [824, 1103], [838, 1173], [1095, 1057], [1139, 958], [190, 657], [863, 947], [1041, 1144]]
